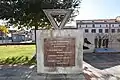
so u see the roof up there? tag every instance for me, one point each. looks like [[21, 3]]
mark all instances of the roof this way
[[117, 19], [98, 21]]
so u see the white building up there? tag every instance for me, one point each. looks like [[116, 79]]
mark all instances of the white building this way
[[92, 28], [99, 26]]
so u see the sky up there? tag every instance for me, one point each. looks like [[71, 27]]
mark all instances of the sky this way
[[99, 9]]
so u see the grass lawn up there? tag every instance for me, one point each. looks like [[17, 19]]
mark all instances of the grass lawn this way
[[16, 50]]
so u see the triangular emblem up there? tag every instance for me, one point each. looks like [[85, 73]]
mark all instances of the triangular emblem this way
[[58, 17]]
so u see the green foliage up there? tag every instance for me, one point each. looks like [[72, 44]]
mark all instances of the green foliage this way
[[19, 60], [29, 13], [17, 54], [16, 50], [4, 29]]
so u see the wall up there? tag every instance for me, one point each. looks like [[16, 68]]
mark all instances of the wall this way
[[113, 42]]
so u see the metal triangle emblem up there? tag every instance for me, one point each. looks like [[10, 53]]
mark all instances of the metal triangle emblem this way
[[58, 14]]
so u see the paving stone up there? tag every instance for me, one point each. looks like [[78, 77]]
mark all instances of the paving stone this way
[[24, 72], [36, 78], [3, 78], [15, 78], [7, 72], [57, 77], [103, 60], [2, 73]]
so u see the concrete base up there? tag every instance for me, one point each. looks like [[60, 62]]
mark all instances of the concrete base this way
[[75, 67], [63, 76]]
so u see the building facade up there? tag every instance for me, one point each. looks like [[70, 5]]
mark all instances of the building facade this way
[[99, 26]]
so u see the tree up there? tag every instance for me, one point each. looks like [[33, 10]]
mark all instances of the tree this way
[[29, 13], [4, 31]]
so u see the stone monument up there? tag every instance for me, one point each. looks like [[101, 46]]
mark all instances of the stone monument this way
[[60, 51]]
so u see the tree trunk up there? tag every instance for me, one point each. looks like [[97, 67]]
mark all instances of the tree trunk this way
[[34, 56], [96, 42], [2, 37]]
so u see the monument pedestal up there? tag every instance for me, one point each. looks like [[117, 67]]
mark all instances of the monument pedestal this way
[[60, 54], [63, 76]]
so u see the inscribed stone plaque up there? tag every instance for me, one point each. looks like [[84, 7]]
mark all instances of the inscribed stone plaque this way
[[59, 52]]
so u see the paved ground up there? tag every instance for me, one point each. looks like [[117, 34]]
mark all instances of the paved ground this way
[[96, 67], [15, 72], [102, 61], [102, 66], [30, 73]]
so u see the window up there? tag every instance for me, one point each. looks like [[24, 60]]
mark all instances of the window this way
[[86, 31], [100, 30], [93, 25], [106, 30], [118, 30], [116, 25], [113, 30], [106, 25], [79, 26], [14, 37], [93, 31], [113, 25]]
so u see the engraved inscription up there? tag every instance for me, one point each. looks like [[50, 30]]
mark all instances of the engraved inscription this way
[[59, 52]]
